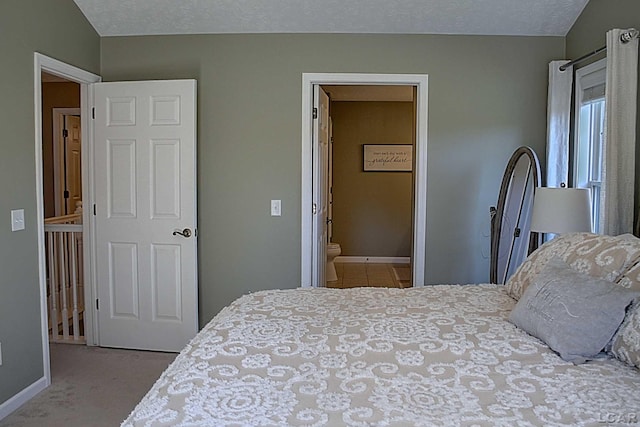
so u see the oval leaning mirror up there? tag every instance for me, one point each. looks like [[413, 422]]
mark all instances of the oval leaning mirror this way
[[511, 238]]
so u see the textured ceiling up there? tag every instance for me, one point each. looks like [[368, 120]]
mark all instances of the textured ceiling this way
[[488, 17]]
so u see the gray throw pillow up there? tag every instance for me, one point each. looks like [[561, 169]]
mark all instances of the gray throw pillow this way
[[573, 313]]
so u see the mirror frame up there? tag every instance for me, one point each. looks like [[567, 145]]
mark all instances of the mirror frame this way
[[497, 213]]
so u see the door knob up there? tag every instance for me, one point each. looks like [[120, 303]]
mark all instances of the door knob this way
[[184, 233]]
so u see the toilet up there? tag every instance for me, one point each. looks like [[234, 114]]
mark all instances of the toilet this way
[[333, 250]]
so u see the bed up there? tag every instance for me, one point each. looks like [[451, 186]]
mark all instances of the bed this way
[[436, 355]]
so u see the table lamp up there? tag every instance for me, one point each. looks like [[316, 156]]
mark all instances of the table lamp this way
[[561, 210]]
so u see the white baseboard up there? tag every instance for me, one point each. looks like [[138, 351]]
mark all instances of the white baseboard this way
[[22, 397], [373, 259]]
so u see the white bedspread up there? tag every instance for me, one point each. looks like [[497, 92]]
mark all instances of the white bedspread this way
[[439, 355]]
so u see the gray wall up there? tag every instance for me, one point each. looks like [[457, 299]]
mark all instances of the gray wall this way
[[57, 29], [589, 33], [372, 211], [487, 96]]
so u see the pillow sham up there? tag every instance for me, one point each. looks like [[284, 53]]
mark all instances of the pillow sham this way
[[605, 257], [631, 277], [573, 313], [626, 342]]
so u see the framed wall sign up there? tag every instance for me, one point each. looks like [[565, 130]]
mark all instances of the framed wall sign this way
[[388, 158]]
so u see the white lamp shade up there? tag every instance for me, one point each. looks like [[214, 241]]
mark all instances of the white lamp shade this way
[[561, 210]]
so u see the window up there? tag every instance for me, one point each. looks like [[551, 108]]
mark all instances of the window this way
[[589, 133]]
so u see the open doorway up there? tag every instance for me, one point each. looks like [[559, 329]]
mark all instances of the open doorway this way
[[150, 164], [174, 103], [46, 68], [370, 190], [313, 251], [62, 195]]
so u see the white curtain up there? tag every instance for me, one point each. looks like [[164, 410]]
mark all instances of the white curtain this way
[[558, 122], [620, 133]]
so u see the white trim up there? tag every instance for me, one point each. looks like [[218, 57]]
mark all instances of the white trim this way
[[23, 397], [421, 82], [84, 78], [373, 259], [57, 117]]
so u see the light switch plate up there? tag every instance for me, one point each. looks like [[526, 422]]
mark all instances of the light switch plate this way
[[276, 208], [17, 220]]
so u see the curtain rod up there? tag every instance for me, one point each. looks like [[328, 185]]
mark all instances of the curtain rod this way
[[582, 58], [625, 37]]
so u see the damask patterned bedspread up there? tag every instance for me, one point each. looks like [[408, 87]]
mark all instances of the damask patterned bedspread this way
[[438, 355]]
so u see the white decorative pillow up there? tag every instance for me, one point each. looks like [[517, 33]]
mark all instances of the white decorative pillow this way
[[573, 313], [605, 257]]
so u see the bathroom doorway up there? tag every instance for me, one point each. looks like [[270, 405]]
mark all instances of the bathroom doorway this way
[[313, 257], [370, 209]]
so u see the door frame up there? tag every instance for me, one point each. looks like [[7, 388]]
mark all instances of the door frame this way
[[421, 82], [59, 114], [84, 78]]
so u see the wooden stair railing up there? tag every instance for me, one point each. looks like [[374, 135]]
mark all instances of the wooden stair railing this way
[[65, 290]]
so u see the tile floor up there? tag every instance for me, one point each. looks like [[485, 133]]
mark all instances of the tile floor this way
[[353, 275]]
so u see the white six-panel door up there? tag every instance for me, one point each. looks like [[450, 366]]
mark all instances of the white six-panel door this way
[[145, 193]]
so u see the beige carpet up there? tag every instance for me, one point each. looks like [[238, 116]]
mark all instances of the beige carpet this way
[[91, 386]]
